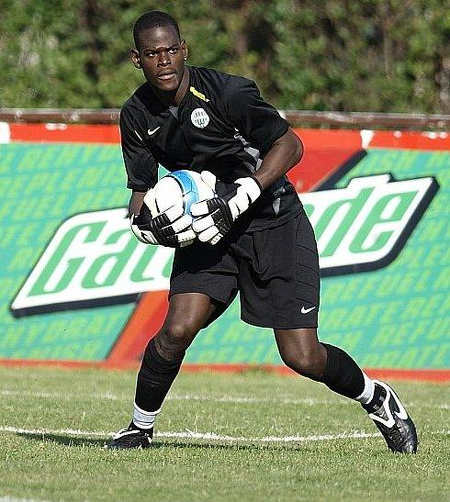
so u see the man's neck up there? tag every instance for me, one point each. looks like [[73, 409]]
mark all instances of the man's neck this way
[[174, 98]]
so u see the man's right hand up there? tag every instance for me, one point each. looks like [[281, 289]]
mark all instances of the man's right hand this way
[[169, 229]]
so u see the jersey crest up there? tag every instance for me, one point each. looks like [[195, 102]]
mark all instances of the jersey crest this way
[[200, 118]]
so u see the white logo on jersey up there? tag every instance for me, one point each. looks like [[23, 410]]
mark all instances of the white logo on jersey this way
[[152, 132], [305, 311], [199, 118]]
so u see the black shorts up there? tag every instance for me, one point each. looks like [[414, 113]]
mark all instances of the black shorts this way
[[276, 271]]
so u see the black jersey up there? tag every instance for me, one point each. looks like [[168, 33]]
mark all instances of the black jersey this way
[[221, 125]]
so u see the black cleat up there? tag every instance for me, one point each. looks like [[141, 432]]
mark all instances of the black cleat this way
[[130, 438], [392, 420]]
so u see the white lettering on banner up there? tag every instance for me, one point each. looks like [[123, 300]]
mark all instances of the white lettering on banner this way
[[366, 223], [93, 256]]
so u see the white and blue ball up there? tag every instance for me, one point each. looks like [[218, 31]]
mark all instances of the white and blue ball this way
[[177, 191], [173, 195]]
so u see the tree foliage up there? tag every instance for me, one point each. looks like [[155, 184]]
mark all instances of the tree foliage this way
[[375, 55]]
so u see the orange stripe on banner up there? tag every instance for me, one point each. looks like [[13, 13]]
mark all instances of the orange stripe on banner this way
[[142, 326], [323, 155], [411, 140], [317, 166], [431, 375], [313, 139], [415, 374], [63, 133], [68, 364], [319, 139]]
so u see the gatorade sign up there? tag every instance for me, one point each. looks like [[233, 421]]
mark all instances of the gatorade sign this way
[[93, 258]]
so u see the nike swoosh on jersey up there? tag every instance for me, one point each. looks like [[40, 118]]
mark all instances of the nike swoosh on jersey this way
[[151, 132], [306, 311]]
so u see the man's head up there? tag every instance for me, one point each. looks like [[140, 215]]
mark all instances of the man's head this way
[[159, 52]]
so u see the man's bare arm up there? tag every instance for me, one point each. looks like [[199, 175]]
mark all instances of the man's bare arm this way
[[135, 204], [284, 154]]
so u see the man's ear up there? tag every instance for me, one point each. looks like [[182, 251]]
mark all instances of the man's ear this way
[[135, 58], [184, 49]]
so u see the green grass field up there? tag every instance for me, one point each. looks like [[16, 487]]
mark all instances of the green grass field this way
[[247, 437]]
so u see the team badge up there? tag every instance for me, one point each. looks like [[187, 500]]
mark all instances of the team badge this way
[[199, 118]]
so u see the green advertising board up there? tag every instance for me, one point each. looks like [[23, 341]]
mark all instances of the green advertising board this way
[[72, 273]]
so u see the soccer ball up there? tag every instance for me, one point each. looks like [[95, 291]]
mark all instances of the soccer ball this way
[[180, 190], [173, 195]]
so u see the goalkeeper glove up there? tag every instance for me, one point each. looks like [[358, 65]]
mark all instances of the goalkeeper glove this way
[[215, 216], [169, 228]]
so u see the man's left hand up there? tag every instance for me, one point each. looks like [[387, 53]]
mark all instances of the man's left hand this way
[[214, 217]]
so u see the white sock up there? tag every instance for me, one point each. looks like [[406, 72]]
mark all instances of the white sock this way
[[367, 393], [144, 419]]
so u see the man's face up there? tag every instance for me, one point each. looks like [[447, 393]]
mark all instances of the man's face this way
[[161, 56]]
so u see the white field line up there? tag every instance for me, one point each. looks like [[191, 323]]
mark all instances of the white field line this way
[[208, 435], [171, 397], [309, 401], [198, 435], [15, 499]]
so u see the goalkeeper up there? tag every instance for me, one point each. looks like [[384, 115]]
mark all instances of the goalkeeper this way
[[253, 237]]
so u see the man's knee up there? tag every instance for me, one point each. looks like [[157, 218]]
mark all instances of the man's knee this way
[[301, 351], [187, 315], [175, 337], [310, 363]]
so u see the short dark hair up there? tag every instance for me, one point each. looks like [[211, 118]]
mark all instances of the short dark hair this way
[[153, 19]]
